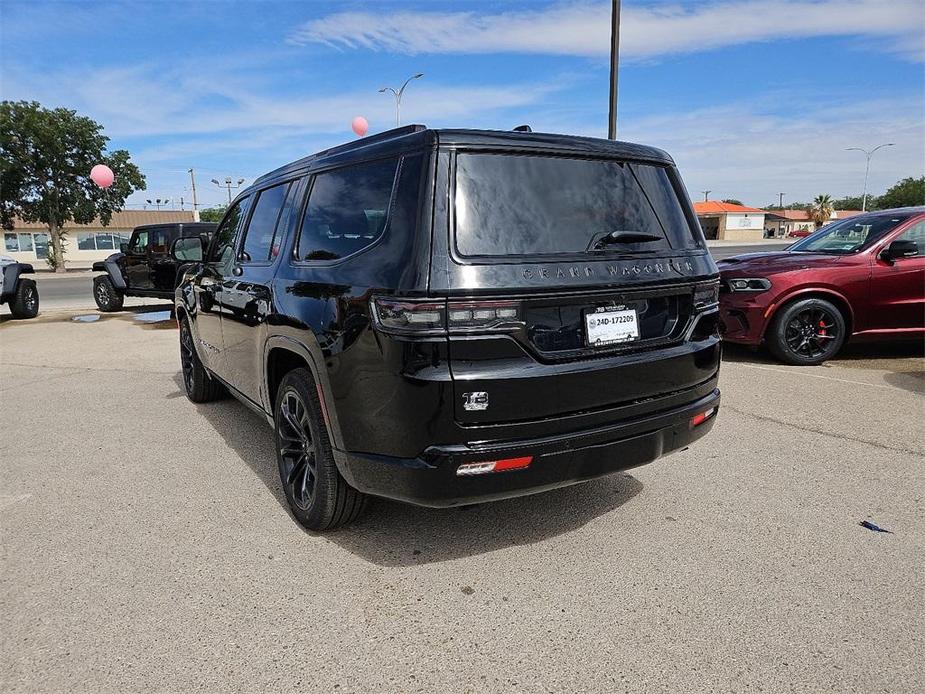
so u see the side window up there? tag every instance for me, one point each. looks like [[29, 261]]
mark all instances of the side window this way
[[347, 210], [160, 240], [915, 233], [139, 242], [262, 229], [226, 236]]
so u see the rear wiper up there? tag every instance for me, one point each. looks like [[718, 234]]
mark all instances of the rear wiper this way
[[616, 237]]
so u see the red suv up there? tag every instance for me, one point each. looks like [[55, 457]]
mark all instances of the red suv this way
[[863, 277]]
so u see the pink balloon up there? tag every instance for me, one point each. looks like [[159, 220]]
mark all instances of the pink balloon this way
[[360, 126], [102, 175]]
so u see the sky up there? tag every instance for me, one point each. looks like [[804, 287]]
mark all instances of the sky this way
[[751, 97]]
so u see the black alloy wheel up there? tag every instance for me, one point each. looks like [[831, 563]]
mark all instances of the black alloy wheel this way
[[318, 496], [807, 332], [297, 460], [199, 384]]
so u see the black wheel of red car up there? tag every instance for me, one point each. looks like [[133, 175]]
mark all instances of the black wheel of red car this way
[[199, 384], [25, 301], [319, 497], [806, 332], [107, 297]]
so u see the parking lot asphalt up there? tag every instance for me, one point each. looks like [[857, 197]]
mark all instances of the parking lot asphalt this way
[[146, 545]]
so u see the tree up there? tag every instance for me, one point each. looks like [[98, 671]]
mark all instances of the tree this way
[[212, 214], [905, 193], [821, 210], [733, 201], [852, 202], [45, 161]]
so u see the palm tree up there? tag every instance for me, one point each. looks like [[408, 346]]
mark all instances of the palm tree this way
[[821, 210]]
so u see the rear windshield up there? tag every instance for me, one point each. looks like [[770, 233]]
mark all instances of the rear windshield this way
[[542, 205]]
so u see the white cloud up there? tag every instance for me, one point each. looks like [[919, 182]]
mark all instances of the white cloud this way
[[583, 29], [739, 150]]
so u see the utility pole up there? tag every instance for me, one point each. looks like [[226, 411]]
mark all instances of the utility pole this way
[[398, 94], [192, 178], [229, 186], [867, 168], [706, 194], [780, 200], [614, 67]]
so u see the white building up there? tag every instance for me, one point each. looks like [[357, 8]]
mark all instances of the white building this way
[[28, 242]]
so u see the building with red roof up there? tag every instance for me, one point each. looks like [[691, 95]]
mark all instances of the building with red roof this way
[[726, 220]]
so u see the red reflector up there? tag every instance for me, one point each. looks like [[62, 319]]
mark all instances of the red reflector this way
[[513, 463], [699, 419], [494, 466]]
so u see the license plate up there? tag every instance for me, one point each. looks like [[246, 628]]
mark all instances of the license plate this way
[[611, 327]]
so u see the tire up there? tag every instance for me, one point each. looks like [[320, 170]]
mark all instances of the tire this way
[[199, 384], [107, 297], [25, 301], [320, 499], [806, 332]]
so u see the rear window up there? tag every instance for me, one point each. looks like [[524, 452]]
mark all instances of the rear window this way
[[513, 205]]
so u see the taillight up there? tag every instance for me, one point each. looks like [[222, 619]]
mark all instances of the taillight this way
[[706, 295], [434, 317], [407, 317], [482, 315]]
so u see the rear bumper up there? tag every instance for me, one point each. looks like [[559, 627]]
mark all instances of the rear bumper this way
[[431, 480]]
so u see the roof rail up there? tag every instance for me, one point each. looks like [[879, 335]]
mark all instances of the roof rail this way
[[371, 139]]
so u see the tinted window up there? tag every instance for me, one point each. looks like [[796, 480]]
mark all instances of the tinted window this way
[[540, 205], [347, 210], [850, 235], [262, 228], [139, 242], [227, 235], [914, 233]]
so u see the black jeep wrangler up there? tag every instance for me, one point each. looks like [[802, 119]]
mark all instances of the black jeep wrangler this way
[[19, 292], [451, 316], [144, 266]]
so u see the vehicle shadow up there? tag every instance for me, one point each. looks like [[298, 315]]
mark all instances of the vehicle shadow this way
[[396, 534]]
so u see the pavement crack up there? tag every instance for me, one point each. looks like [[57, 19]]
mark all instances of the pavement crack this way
[[811, 430]]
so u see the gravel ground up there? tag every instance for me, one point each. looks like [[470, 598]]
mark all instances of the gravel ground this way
[[146, 546]]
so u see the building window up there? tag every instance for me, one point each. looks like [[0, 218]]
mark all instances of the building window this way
[[41, 246], [86, 241], [11, 243], [104, 242], [25, 242]]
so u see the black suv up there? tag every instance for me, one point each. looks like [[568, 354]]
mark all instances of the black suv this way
[[452, 316], [144, 265]]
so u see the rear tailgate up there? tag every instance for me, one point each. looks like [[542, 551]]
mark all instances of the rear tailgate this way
[[528, 229]]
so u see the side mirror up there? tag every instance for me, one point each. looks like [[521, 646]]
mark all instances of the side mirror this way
[[123, 247], [187, 249], [900, 249]]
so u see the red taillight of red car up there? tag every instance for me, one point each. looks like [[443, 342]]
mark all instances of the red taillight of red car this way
[[482, 468], [701, 417]]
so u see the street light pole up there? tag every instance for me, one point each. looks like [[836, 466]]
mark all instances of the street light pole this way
[[192, 178], [229, 186], [398, 94], [869, 154], [614, 66], [706, 194]]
